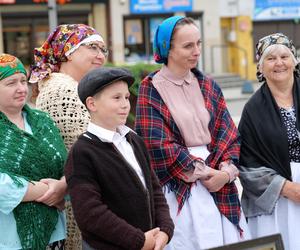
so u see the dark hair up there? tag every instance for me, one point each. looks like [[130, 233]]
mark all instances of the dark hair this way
[[180, 23], [184, 21]]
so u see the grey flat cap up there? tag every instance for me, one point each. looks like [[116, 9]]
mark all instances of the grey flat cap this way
[[97, 79]]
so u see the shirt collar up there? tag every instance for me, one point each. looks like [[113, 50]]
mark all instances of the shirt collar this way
[[178, 80], [106, 135]]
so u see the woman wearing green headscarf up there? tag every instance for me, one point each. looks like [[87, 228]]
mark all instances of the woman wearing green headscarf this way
[[31, 151]]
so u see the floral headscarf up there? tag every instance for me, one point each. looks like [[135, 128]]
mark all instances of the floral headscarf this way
[[162, 39], [63, 41], [267, 41], [10, 65]]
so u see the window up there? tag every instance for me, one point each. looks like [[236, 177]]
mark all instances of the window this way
[[138, 37]]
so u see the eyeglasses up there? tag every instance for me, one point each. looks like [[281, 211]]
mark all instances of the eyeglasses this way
[[96, 49]]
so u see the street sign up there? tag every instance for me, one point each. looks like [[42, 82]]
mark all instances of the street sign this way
[[276, 10], [160, 6]]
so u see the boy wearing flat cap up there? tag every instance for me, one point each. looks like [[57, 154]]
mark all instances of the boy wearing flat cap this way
[[116, 197]]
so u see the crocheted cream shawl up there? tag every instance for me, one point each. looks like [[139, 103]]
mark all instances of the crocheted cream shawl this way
[[58, 97]]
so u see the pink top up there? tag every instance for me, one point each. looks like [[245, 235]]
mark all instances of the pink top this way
[[185, 101]]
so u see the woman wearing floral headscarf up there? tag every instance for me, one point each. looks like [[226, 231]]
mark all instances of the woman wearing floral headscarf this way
[[69, 52], [270, 151], [31, 151], [192, 141]]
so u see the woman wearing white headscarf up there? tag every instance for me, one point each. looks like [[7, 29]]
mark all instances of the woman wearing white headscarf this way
[[69, 52]]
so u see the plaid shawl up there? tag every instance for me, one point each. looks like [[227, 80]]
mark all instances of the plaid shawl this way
[[169, 155]]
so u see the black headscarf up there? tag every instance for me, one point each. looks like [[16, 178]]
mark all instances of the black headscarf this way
[[263, 133]]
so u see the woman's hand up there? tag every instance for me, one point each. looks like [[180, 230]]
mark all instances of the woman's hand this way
[[200, 172], [35, 190], [215, 180], [161, 240], [291, 190], [150, 239], [56, 192]]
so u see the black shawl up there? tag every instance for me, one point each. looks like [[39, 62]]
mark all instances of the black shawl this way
[[263, 133]]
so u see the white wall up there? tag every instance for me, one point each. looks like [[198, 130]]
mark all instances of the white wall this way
[[246, 7], [232, 8], [211, 31], [118, 8]]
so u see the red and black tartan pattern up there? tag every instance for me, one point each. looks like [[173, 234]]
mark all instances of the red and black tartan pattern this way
[[170, 156]]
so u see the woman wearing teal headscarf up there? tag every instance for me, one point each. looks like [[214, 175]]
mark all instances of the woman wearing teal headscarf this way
[[192, 140], [31, 151]]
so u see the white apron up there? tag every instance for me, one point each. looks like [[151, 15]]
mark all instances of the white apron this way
[[284, 220], [199, 224]]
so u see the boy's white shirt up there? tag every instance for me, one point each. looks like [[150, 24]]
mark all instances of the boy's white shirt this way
[[119, 140]]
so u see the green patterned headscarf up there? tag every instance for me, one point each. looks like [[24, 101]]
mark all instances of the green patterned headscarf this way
[[10, 65]]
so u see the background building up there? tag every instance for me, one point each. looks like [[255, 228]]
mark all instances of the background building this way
[[229, 28], [277, 16], [24, 23]]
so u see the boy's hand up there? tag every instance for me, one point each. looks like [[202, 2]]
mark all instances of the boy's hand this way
[[150, 238], [161, 240]]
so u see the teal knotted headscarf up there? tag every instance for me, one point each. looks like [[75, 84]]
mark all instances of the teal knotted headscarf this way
[[162, 39]]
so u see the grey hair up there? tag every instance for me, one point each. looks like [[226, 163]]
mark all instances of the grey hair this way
[[273, 48]]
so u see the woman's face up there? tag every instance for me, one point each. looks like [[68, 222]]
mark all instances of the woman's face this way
[[88, 56], [13, 92], [185, 47], [278, 66]]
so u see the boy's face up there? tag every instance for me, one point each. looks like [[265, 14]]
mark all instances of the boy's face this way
[[111, 106]]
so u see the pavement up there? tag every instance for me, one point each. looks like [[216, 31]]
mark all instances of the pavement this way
[[236, 100]]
